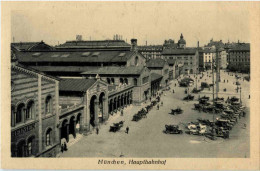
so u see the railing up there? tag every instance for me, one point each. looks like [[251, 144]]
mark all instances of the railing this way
[[71, 108]]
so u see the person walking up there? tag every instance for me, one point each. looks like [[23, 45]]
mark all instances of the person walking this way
[[97, 130], [173, 91], [249, 96], [127, 129], [65, 146], [122, 112], [62, 148], [162, 103], [158, 107]]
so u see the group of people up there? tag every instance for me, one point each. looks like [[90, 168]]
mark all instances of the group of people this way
[[64, 147]]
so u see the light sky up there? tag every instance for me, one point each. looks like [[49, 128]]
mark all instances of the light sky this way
[[151, 21]]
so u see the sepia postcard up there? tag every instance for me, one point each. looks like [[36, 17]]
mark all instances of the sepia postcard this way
[[130, 85]]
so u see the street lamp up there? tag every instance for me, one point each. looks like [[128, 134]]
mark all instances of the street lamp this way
[[240, 95]]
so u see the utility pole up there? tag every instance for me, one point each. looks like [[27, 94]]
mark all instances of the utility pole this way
[[213, 81], [217, 72]]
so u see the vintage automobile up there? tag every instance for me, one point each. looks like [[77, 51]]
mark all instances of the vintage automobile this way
[[204, 98], [204, 85], [186, 82], [189, 97], [205, 122], [176, 111], [116, 126], [172, 129], [196, 90], [196, 129]]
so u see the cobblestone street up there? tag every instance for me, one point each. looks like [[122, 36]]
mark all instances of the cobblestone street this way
[[146, 137]]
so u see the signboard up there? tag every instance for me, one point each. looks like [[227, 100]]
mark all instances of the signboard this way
[[23, 130]]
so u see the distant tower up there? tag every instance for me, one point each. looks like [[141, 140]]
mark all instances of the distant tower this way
[[134, 45], [79, 37], [181, 42]]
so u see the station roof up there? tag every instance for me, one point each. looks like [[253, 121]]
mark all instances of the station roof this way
[[76, 85], [94, 43], [155, 63], [111, 70], [73, 56]]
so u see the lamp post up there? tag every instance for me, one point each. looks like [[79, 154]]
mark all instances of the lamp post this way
[[240, 95]]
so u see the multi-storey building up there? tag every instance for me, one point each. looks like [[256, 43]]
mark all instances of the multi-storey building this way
[[187, 59], [209, 54], [161, 67], [34, 113], [239, 57], [151, 51]]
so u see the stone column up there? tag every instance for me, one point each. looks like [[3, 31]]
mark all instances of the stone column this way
[[14, 118], [112, 106], [40, 112], [57, 114], [119, 102], [74, 127], [96, 112], [84, 126], [105, 111]]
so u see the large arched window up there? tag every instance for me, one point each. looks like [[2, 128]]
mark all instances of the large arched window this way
[[112, 81], [12, 116], [108, 80], [20, 113], [136, 60], [48, 105], [30, 146], [48, 137], [135, 81], [126, 81], [30, 110]]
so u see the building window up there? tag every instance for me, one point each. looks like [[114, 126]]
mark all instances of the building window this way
[[30, 110], [135, 81], [20, 113], [108, 80], [136, 60], [48, 105], [112, 81], [48, 137]]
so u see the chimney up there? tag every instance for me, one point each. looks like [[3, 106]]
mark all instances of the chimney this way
[[134, 45], [198, 44], [146, 42]]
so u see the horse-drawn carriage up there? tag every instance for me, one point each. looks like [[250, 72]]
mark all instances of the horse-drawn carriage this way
[[172, 129], [176, 111], [139, 115], [189, 97], [196, 90], [116, 126]]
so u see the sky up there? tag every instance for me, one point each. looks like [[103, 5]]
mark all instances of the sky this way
[[153, 22]]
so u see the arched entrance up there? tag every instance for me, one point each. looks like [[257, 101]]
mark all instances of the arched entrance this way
[[111, 106], [78, 124], [101, 110], [92, 110], [72, 126], [31, 146], [64, 130], [115, 104], [21, 150]]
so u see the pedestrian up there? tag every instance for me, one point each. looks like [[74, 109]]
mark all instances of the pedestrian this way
[[97, 130], [175, 84], [249, 96], [122, 112], [162, 103], [65, 146], [150, 99], [62, 148], [227, 81], [158, 107], [224, 81], [127, 129], [173, 91]]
